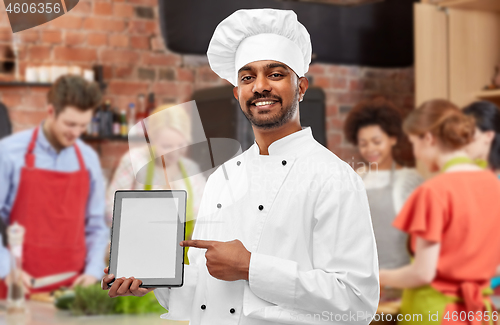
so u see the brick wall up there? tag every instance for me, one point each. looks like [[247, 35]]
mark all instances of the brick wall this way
[[124, 37]]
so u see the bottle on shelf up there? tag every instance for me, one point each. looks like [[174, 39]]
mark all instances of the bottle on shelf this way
[[151, 105], [96, 122], [106, 120], [123, 124], [141, 108], [131, 115], [116, 122], [95, 127]]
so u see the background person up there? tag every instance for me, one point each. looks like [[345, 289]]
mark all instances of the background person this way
[[52, 184], [375, 127], [452, 220], [172, 129], [486, 143]]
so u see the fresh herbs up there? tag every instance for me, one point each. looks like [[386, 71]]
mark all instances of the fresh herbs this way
[[92, 300]]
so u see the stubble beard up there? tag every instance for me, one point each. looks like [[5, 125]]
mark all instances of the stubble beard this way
[[284, 115]]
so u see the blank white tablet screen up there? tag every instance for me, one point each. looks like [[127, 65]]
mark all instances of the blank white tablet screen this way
[[148, 238]]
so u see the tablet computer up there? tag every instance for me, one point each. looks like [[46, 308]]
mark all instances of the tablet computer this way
[[147, 229]]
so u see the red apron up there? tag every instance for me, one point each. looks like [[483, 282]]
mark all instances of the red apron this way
[[51, 206]]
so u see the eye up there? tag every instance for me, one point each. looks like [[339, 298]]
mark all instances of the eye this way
[[246, 78], [276, 75]]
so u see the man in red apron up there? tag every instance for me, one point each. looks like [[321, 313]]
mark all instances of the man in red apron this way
[[51, 183]]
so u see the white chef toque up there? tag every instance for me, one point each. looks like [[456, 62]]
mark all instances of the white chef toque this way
[[250, 35]]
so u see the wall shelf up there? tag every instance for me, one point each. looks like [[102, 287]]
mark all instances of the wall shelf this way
[[470, 4], [24, 84], [36, 84]]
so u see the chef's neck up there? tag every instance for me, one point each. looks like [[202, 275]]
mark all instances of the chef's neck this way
[[264, 138]]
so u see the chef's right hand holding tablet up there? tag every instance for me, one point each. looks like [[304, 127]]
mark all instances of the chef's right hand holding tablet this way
[[123, 286]]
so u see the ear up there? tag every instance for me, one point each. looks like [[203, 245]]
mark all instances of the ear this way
[[51, 111], [235, 93], [303, 85], [429, 139], [489, 136]]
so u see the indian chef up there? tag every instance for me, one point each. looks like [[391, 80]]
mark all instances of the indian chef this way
[[52, 184], [283, 233]]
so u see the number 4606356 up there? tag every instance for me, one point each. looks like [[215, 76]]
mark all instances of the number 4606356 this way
[[34, 8]]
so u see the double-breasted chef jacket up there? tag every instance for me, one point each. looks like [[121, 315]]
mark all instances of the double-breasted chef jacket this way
[[303, 214]]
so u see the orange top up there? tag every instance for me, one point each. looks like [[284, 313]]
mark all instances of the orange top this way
[[460, 210]]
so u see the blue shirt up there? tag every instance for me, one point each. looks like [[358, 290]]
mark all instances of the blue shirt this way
[[12, 151]]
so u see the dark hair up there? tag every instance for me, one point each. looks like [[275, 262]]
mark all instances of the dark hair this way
[[487, 116], [71, 90], [378, 111], [444, 120]]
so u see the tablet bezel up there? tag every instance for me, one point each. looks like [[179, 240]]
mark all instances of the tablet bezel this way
[[178, 280]]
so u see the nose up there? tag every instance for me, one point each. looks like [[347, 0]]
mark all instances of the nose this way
[[77, 132], [261, 84]]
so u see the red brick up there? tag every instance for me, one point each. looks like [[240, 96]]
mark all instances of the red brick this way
[[206, 74], [323, 82], [103, 8], [12, 99], [107, 72], [118, 40], [143, 27], [332, 110], [336, 123], [123, 10], [68, 21], [151, 3], [339, 83], [28, 118], [74, 54], [157, 44], [5, 34], [316, 69], [104, 24], [75, 38], [140, 42], [161, 59], [120, 56], [184, 74], [354, 85], [97, 39], [185, 92], [126, 88], [123, 72], [39, 52], [29, 36], [334, 140], [51, 36], [166, 88]]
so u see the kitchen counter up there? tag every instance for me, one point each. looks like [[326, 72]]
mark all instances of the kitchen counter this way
[[43, 313]]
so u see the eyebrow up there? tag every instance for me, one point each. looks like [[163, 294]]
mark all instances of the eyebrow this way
[[268, 66]]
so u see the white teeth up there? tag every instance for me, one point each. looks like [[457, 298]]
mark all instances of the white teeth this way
[[263, 103]]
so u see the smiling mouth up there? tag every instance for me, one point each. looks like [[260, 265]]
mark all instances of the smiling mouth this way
[[264, 104]]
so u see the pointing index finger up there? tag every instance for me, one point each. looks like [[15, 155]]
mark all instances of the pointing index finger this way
[[198, 243]]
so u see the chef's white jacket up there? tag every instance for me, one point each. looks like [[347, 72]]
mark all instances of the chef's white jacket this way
[[304, 216]]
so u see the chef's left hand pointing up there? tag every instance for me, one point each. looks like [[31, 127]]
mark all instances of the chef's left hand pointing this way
[[228, 261]]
